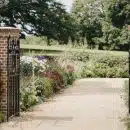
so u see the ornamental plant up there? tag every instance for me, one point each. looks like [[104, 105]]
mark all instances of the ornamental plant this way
[[30, 64], [1, 117], [41, 77]]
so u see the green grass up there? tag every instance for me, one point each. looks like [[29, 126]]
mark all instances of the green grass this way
[[57, 50]]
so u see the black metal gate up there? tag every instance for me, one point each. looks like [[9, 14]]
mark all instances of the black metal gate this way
[[13, 62]]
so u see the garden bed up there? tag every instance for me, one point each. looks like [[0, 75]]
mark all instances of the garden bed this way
[[41, 77]]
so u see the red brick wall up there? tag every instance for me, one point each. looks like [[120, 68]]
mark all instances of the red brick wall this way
[[4, 34]]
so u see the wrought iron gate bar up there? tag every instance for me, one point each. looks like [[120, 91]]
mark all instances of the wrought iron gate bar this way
[[13, 77]]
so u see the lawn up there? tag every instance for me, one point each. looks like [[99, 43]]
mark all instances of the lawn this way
[[57, 50]]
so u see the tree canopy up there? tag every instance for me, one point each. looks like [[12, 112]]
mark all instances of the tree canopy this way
[[39, 17], [101, 23]]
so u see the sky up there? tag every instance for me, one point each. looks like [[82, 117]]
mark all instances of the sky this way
[[68, 3]]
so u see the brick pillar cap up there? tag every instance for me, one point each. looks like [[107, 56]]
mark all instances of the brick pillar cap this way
[[9, 31], [9, 28]]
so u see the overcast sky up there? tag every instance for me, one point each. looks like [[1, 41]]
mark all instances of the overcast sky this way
[[68, 3]]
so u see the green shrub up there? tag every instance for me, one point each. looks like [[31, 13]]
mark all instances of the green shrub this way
[[50, 78], [70, 77], [126, 92], [26, 69], [44, 87], [111, 60], [126, 120], [1, 117], [56, 77], [106, 66], [104, 71], [79, 56], [28, 93], [30, 65], [67, 74], [33, 92]]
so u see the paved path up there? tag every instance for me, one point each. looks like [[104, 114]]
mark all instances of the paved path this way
[[91, 104]]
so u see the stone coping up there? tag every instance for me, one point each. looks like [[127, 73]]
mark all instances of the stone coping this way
[[9, 29]]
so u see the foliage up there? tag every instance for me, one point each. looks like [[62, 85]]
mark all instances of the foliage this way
[[101, 70], [1, 117], [40, 17], [34, 40], [34, 92], [115, 25], [112, 61], [125, 97], [119, 12], [102, 23], [56, 78], [99, 65], [28, 93], [106, 66], [81, 56], [86, 15], [61, 76], [113, 38], [49, 78], [28, 64], [44, 87], [126, 92]]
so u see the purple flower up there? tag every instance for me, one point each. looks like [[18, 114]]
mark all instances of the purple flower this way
[[40, 57]]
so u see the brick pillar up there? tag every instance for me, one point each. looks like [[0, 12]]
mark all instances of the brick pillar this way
[[5, 32]]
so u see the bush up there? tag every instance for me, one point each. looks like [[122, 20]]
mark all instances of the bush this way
[[44, 87], [1, 117], [95, 64], [70, 74], [26, 66], [40, 78], [67, 69], [126, 120], [103, 71], [28, 93], [56, 77], [79, 56], [126, 92], [30, 65], [35, 92], [112, 61], [106, 66]]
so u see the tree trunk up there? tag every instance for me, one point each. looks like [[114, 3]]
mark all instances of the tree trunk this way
[[48, 41], [100, 47]]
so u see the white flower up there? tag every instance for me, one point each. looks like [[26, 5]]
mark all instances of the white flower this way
[[26, 59], [34, 62]]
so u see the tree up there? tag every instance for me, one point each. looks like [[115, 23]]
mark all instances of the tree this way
[[88, 16], [119, 12], [39, 17], [114, 25]]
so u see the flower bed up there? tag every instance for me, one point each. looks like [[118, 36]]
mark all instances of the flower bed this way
[[41, 77]]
